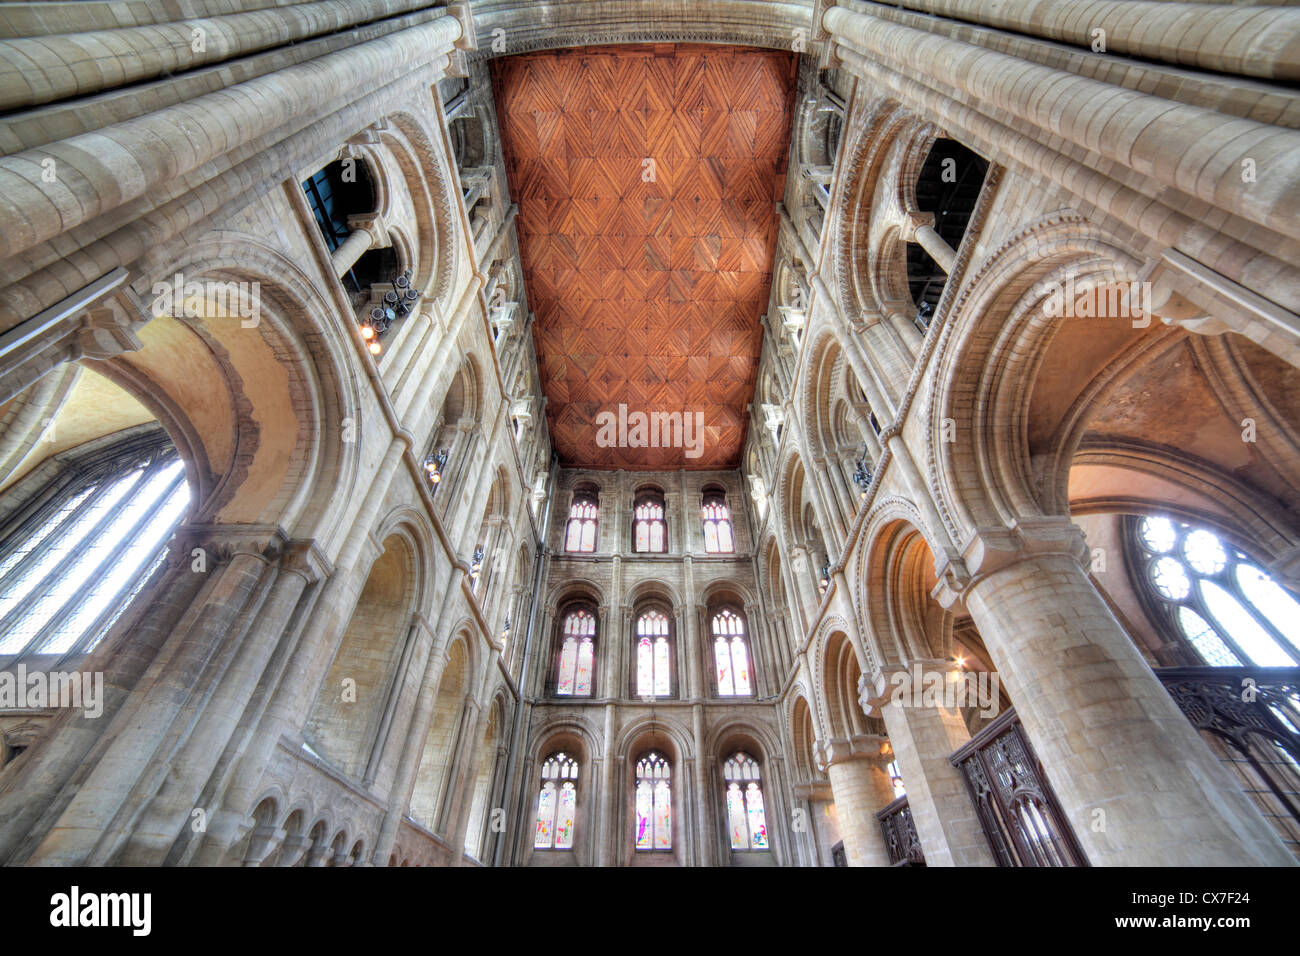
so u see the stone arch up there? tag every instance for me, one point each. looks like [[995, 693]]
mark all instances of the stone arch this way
[[841, 669], [349, 706], [257, 413], [430, 795], [575, 736], [893, 528], [993, 352], [876, 125], [486, 775], [803, 735], [433, 198]]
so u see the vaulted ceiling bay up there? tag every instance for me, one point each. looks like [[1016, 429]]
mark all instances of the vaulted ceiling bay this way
[[647, 179]]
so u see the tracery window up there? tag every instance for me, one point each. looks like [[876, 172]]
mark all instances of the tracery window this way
[[718, 538], [577, 654], [557, 803], [731, 654], [69, 572], [580, 533], [746, 818], [1216, 597], [650, 530], [654, 811], [653, 654]]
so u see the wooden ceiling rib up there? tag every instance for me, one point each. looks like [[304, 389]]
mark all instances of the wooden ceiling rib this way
[[647, 179]]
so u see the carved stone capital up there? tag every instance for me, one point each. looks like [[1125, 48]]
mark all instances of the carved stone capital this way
[[868, 747], [991, 549], [372, 224], [815, 791], [913, 222], [221, 542]]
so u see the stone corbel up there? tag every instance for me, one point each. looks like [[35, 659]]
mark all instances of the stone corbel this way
[[793, 320], [304, 557], [1185, 292], [821, 175], [503, 318], [869, 747], [460, 9], [774, 418], [109, 329], [874, 689]]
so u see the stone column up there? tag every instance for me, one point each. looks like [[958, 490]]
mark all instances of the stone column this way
[[1136, 783], [236, 699], [353, 248], [607, 781], [860, 787], [708, 836], [923, 738], [944, 255], [412, 749], [128, 772]]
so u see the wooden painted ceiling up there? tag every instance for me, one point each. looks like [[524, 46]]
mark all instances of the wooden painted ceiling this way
[[647, 179]]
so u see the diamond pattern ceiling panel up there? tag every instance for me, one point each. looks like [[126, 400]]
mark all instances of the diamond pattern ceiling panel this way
[[647, 179]]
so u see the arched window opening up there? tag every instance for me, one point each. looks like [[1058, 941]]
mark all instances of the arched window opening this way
[[1217, 598], [650, 530], [654, 812], [557, 803], [653, 654], [577, 654], [731, 654], [343, 189], [948, 186], [70, 570], [718, 538], [746, 816], [580, 532]]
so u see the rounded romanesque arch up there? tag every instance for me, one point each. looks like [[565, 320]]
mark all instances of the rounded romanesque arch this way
[[995, 346], [433, 202], [256, 403]]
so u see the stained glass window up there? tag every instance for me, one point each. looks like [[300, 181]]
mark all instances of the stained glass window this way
[[652, 655], [69, 573], [580, 533], [557, 803], [654, 812], [650, 531], [1225, 606], [717, 524], [746, 818], [896, 779], [731, 654], [577, 654]]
